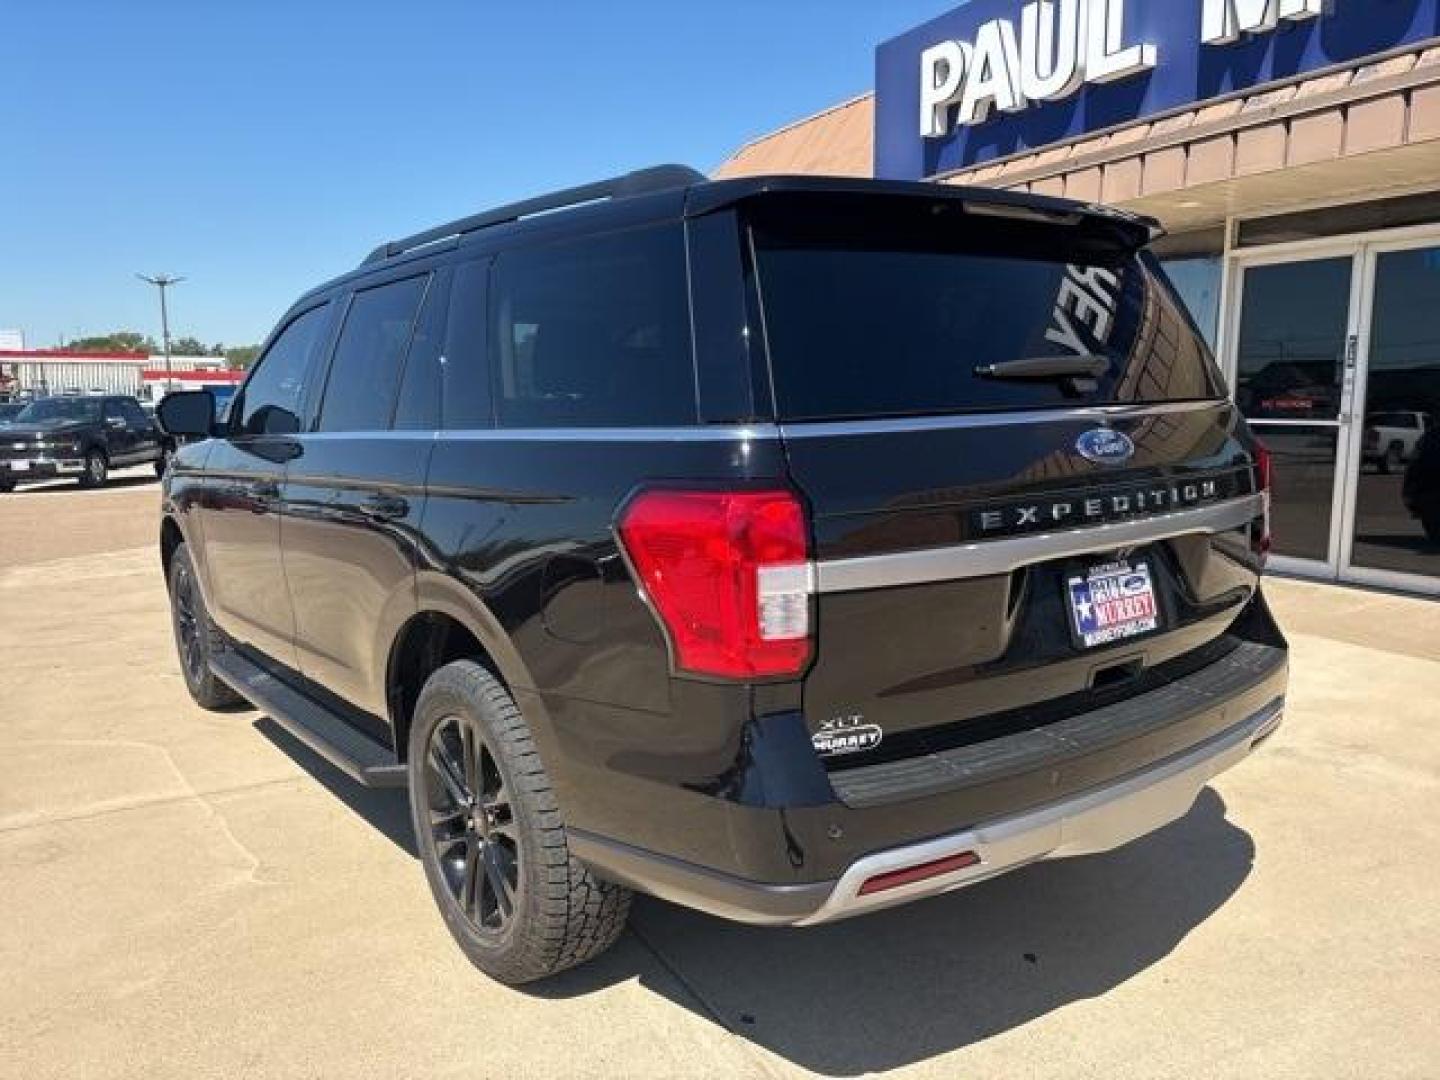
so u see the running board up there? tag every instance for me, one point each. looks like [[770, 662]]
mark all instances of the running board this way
[[357, 756]]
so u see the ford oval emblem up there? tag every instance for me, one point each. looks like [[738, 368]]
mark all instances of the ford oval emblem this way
[[1105, 446]]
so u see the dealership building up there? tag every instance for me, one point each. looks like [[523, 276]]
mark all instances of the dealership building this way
[[1291, 149]]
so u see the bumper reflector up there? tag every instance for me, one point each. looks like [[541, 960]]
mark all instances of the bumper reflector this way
[[893, 879]]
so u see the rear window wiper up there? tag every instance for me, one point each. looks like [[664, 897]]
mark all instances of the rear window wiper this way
[[1081, 366]]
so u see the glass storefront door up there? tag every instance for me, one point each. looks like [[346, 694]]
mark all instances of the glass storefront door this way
[[1335, 360], [1392, 508], [1294, 341]]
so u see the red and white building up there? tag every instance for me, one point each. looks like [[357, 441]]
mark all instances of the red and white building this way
[[61, 371]]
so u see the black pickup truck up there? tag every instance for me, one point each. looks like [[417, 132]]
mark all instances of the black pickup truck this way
[[784, 547], [84, 436]]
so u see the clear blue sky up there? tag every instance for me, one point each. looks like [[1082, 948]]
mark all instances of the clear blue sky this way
[[259, 147]]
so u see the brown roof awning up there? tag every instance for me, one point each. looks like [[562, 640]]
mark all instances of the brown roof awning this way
[[1360, 131]]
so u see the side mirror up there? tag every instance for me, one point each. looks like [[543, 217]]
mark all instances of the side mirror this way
[[187, 412]]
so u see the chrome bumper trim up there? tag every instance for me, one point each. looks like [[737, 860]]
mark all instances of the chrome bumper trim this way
[[1093, 821], [991, 557], [40, 468]]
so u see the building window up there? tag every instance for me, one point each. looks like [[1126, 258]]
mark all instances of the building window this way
[[1197, 280]]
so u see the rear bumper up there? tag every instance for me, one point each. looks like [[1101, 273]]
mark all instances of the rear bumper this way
[[1096, 820]]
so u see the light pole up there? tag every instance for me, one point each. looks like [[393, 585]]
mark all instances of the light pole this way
[[161, 282]]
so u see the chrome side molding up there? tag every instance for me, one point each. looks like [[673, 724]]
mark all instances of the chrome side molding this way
[[987, 558]]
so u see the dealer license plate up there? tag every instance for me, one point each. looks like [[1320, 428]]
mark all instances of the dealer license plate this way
[[1113, 602]]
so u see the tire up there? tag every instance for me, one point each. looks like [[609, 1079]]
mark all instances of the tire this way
[[530, 908], [96, 471], [197, 638], [6, 487]]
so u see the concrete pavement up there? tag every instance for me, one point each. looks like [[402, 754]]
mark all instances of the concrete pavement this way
[[193, 894]]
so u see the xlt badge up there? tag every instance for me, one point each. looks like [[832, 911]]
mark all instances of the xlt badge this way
[[846, 735]]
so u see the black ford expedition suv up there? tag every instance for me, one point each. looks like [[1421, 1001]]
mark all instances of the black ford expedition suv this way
[[83, 436], [785, 547]]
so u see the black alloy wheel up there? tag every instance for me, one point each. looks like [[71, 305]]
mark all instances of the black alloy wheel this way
[[472, 825], [187, 628], [491, 838], [197, 638]]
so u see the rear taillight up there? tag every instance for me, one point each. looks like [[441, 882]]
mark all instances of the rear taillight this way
[[729, 575], [1265, 478]]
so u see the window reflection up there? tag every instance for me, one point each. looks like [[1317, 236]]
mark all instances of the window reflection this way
[[1293, 328], [1303, 493], [1397, 505]]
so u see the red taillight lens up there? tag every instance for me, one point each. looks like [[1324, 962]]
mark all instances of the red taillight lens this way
[[728, 572], [1265, 477], [893, 879]]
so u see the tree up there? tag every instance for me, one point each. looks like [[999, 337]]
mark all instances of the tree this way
[[237, 356], [115, 341], [241, 356]]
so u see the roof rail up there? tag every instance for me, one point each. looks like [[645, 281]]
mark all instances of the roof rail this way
[[639, 182]]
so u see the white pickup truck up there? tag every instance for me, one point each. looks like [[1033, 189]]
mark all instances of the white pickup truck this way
[[1391, 437]]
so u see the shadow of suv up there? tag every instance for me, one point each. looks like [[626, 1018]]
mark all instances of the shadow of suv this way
[[788, 548]]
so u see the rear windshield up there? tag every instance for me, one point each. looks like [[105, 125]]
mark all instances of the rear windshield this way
[[894, 313]]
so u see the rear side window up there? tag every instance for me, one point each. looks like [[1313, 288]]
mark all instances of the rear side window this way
[[272, 396], [866, 316], [467, 369], [418, 406], [134, 415], [365, 373], [593, 333]]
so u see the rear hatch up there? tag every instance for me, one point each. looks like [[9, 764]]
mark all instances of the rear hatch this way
[[1029, 493]]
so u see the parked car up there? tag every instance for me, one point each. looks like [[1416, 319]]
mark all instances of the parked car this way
[[788, 548], [10, 409], [1392, 437], [84, 436]]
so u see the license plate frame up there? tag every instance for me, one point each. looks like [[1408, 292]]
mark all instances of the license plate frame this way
[[1112, 603]]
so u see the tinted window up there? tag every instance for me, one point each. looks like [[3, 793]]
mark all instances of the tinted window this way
[[867, 316], [593, 333], [418, 406], [365, 374], [272, 396], [59, 409], [112, 410], [1294, 325], [467, 370], [133, 413]]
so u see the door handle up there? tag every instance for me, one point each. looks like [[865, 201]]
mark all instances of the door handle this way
[[384, 507]]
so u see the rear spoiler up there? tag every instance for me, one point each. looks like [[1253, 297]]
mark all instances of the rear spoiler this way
[[1134, 230]]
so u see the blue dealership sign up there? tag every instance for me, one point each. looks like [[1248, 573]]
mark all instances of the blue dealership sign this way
[[998, 77]]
